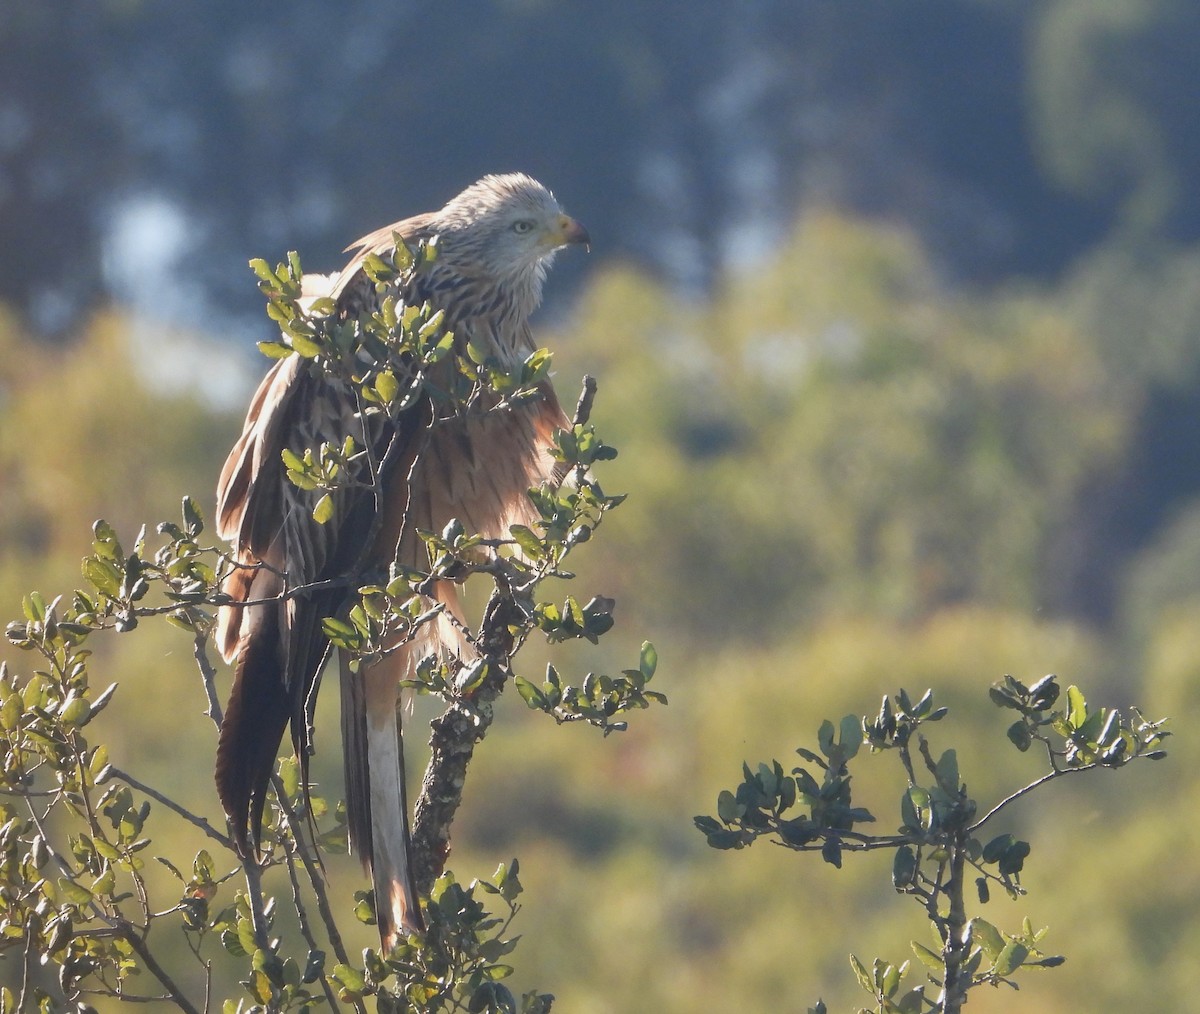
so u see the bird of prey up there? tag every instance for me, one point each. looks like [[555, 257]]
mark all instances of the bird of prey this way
[[495, 241]]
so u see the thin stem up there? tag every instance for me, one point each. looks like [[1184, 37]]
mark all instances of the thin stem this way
[[143, 952], [124, 997], [258, 915], [1049, 776], [316, 882], [26, 967], [292, 848], [166, 801], [207, 985], [208, 677]]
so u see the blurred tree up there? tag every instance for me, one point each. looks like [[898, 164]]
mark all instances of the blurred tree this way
[[1112, 85], [892, 449], [83, 432], [691, 133]]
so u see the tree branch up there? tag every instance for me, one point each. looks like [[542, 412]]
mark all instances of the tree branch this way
[[294, 851], [1049, 776], [155, 969], [170, 804], [452, 744]]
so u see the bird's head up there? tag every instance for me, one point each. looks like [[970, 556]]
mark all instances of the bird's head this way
[[506, 227]]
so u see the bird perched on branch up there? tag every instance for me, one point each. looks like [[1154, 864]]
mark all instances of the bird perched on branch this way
[[495, 241]]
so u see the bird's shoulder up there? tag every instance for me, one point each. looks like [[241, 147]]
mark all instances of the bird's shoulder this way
[[350, 286]]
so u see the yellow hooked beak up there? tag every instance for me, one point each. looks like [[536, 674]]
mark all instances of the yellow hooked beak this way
[[566, 231]]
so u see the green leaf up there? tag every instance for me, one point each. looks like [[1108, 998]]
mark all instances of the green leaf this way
[[323, 510], [275, 350], [988, 937], [261, 268], [289, 776], [10, 712], [1011, 958], [1019, 735], [728, 808], [1044, 692], [306, 347], [1076, 707], [72, 893], [34, 607], [825, 738], [889, 982], [476, 353], [864, 978], [387, 386], [530, 694], [831, 852], [947, 772], [994, 849], [927, 957], [904, 867], [850, 735], [1013, 860], [104, 575], [75, 710], [245, 936], [648, 661], [260, 987], [314, 966], [528, 541]]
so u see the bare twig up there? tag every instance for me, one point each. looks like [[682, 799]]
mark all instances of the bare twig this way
[[254, 895], [125, 997], [139, 946], [26, 965], [208, 676], [315, 880], [1049, 776], [166, 801], [293, 852], [583, 408]]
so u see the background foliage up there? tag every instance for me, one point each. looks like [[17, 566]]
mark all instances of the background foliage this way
[[897, 323]]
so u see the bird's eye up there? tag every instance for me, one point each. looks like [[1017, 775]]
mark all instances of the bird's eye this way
[[522, 225]]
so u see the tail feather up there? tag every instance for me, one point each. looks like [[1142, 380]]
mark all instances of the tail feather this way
[[376, 798], [255, 719]]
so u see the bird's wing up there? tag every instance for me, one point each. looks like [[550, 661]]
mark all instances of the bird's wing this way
[[379, 242], [278, 644]]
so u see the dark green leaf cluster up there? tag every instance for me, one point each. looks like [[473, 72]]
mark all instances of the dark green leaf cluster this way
[[883, 983], [391, 612], [457, 965], [119, 582], [762, 804], [938, 837], [72, 887], [367, 348], [273, 982], [580, 447], [600, 698], [1075, 736]]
